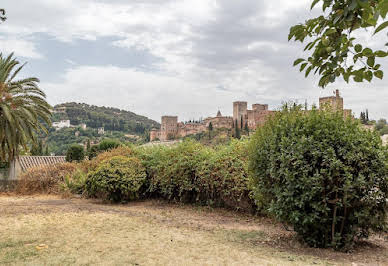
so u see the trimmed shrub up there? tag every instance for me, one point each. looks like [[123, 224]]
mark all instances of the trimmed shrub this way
[[321, 173], [75, 153], [117, 179], [46, 179]]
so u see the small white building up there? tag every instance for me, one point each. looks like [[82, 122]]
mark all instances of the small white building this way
[[61, 124], [101, 131], [83, 126]]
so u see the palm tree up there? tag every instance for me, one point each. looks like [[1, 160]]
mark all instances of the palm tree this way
[[23, 109]]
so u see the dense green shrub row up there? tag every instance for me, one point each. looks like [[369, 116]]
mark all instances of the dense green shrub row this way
[[321, 173], [191, 172]]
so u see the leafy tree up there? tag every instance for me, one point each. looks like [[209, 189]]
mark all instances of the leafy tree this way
[[322, 174], [47, 151], [23, 109], [75, 153], [2, 15], [334, 50]]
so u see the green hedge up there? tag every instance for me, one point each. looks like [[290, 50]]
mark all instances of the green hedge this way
[[193, 173]]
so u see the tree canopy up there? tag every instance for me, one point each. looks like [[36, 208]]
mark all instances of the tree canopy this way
[[334, 48]]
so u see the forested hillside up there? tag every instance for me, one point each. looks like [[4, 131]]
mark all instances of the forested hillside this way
[[112, 119], [121, 125]]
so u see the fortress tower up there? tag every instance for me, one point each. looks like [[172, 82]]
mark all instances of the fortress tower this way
[[335, 103], [240, 112], [169, 128]]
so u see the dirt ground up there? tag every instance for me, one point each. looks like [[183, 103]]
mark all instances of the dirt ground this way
[[50, 230]]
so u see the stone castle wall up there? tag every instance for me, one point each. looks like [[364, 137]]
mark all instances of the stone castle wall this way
[[257, 116]]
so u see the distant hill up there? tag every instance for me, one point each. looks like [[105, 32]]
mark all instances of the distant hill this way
[[112, 119], [118, 124]]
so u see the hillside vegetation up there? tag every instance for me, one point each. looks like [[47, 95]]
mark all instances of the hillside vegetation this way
[[121, 125], [112, 119]]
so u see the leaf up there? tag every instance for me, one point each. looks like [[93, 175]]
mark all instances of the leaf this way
[[298, 61], [367, 52], [371, 61], [358, 48], [381, 27], [379, 74], [302, 66], [308, 71], [314, 3], [381, 53]]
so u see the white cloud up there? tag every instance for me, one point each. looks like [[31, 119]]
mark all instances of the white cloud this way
[[23, 48]]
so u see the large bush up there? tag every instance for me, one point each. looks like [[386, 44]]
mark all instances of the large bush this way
[[322, 174], [117, 179], [75, 153]]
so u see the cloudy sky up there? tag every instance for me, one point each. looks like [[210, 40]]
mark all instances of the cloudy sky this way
[[183, 57]]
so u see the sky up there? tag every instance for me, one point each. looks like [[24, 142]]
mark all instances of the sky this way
[[189, 58]]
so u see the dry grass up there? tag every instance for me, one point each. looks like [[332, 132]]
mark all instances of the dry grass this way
[[49, 230]]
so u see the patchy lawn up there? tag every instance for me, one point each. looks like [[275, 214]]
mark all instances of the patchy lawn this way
[[50, 230]]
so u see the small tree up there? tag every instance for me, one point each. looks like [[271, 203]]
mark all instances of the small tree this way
[[322, 174], [246, 128], [75, 153]]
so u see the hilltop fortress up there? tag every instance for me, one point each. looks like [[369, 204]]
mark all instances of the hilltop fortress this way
[[242, 118]]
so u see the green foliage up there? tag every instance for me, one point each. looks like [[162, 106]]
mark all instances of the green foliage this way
[[193, 173], [94, 150], [331, 42], [222, 176], [105, 145], [112, 119], [74, 183], [108, 144], [237, 132], [117, 179], [37, 148], [382, 127], [324, 175], [75, 153], [23, 109]]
